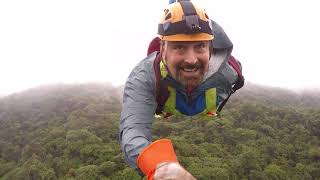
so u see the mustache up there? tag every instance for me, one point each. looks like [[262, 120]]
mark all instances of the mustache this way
[[197, 64]]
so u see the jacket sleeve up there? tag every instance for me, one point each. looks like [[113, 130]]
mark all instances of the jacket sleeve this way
[[138, 108]]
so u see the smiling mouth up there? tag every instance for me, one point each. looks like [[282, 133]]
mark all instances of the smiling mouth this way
[[194, 69]]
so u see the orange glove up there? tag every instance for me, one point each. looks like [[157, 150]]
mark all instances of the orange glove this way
[[159, 161], [156, 153]]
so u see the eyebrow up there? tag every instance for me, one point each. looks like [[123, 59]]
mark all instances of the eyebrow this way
[[186, 42]]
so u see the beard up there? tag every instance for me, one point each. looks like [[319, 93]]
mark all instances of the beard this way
[[190, 75]]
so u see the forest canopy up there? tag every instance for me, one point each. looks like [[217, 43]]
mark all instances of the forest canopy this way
[[71, 132]]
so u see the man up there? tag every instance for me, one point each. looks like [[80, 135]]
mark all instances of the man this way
[[189, 75]]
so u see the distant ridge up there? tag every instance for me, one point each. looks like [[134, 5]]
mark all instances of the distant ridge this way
[[249, 93], [277, 96]]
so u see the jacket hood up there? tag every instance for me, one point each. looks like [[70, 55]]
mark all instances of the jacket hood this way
[[221, 40], [222, 46]]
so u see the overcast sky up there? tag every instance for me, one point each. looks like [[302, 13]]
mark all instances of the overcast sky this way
[[74, 41]]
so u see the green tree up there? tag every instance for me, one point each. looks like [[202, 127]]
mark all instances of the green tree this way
[[89, 172], [274, 172], [6, 167], [107, 168], [34, 169], [301, 172]]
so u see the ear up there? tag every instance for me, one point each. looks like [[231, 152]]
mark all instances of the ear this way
[[162, 46], [212, 50]]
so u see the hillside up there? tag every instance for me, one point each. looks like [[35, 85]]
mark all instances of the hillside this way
[[71, 132], [278, 97]]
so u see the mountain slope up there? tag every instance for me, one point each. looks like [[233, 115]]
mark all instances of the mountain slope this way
[[71, 132], [277, 97]]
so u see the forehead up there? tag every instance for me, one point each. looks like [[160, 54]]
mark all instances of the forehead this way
[[186, 43]]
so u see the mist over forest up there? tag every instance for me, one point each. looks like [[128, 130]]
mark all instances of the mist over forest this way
[[70, 131]]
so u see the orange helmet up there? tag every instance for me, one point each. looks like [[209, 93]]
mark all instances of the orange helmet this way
[[184, 21]]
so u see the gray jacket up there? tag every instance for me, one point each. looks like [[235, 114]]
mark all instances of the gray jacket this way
[[139, 98]]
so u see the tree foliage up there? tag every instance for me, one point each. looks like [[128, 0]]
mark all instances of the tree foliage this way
[[71, 132]]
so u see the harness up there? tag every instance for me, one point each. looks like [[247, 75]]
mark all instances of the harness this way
[[166, 95]]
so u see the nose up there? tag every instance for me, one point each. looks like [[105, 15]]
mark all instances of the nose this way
[[190, 57]]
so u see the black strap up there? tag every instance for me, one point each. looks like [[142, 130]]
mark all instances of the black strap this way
[[167, 29], [191, 16], [223, 103], [188, 8]]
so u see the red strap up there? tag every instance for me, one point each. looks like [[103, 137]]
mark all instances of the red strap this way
[[162, 92], [237, 67], [154, 45]]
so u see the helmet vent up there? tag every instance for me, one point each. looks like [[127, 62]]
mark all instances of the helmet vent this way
[[206, 15], [168, 16], [166, 11]]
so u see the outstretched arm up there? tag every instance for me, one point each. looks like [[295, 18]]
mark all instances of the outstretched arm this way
[[138, 109]]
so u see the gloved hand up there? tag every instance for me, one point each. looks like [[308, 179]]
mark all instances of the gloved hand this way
[[171, 170], [158, 161]]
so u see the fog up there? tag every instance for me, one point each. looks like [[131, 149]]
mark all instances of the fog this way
[[79, 41]]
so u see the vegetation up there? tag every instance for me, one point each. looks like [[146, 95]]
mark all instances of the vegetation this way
[[71, 132]]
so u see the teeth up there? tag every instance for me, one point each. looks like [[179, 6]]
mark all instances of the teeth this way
[[190, 70]]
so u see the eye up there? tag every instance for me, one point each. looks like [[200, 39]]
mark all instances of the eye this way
[[201, 46], [178, 47]]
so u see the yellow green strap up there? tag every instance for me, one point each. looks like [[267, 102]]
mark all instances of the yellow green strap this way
[[170, 105], [163, 69], [211, 99]]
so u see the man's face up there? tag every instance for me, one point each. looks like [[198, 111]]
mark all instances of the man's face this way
[[187, 61]]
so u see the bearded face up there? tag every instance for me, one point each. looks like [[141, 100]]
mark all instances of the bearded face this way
[[187, 62]]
